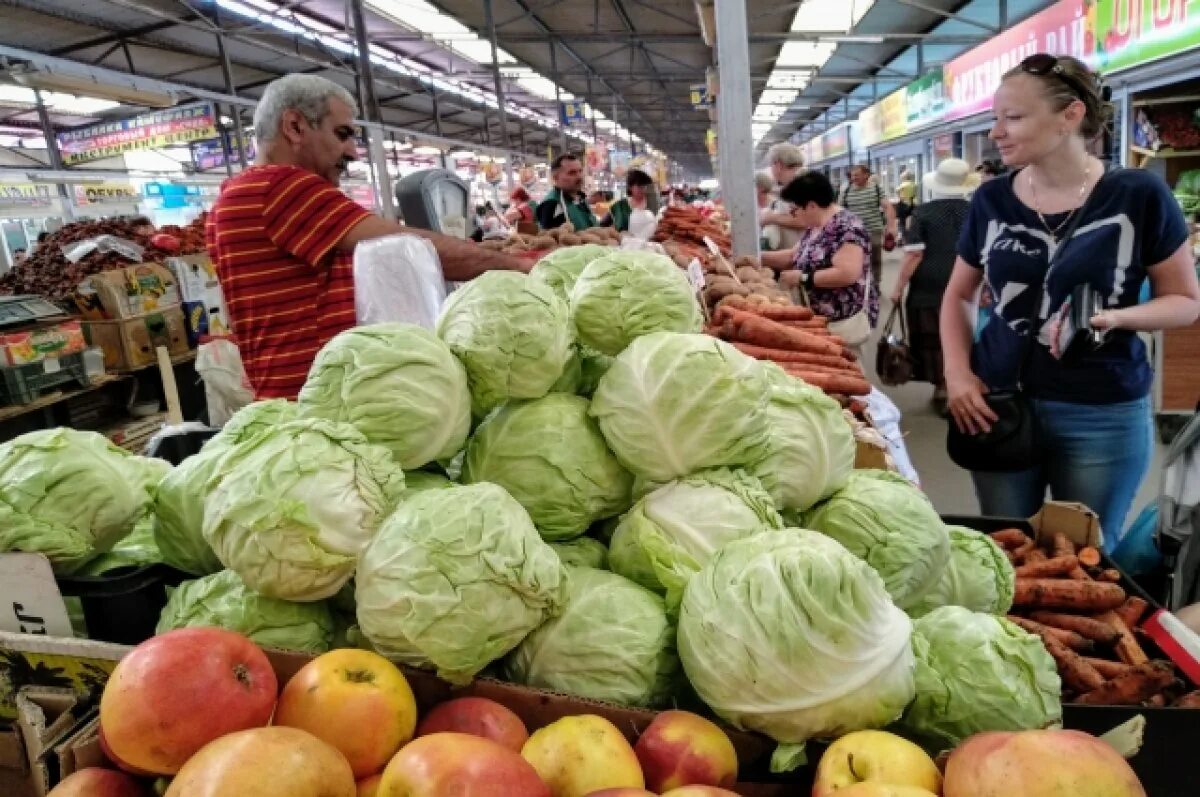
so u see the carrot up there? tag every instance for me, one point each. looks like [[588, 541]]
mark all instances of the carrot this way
[[1109, 669], [1095, 630], [1083, 596], [1111, 576], [1190, 700], [1062, 545], [848, 385], [1018, 555], [784, 355], [1131, 688], [1078, 574], [1009, 538], [1071, 639], [1051, 568], [1127, 647], [817, 322], [1035, 556], [775, 312], [1131, 611], [1076, 673], [749, 328], [1089, 557], [1156, 701]]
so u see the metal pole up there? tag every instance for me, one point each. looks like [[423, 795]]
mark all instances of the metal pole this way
[[1003, 15], [370, 103], [491, 25], [56, 160], [230, 88], [562, 126], [223, 132], [592, 105], [735, 139]]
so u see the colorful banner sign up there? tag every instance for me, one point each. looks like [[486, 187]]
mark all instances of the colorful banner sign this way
[[156, 130], [870, 126], [836, 142], [894, 113], [699, 97], [26, 195], [106, 194], [925, 103], [207, 155], [1119, 34], [573, 115]]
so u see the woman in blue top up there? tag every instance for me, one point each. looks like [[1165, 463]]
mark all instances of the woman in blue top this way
[[1093, 409]]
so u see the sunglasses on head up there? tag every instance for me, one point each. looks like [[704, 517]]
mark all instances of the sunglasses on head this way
[[1042, 64]]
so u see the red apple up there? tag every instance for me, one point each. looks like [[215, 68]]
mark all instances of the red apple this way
[[680, 749], [700, 791], [442, 764], [177, 692], [121, 765], [97, 782], [622, 792], [477, 716], [369, 787]]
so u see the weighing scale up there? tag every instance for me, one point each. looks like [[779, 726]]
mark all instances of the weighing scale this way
[[436, 199]]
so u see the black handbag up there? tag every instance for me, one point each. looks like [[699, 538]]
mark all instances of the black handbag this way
[[893, 357], [1012, 444]]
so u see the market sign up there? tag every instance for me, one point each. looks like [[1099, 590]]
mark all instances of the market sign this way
[[208, 155], [572, 114], [1119, 34], [894, 113], [106, 194], [149, 131], [925, 103], [26, 195], [836, 142], [870, 125], [699, 97]]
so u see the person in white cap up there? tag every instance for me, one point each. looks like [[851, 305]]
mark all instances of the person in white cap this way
[[930, 247]]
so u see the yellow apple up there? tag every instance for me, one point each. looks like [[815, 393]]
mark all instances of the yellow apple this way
[[871, 789], [875, 757], [576, 756]]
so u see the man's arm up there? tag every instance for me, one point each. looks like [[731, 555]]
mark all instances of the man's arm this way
[[461, 260], [889, 213], [779, 261], [782, 220]]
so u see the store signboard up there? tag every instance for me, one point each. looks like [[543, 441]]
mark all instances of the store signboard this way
[[836, 142], [925, 100], [156, 130], [24, 196], [173, 195], [699, 97], [816, 150], [572, 115], [972, 79], [207, 155], [894, 110], [1119, 34], [106, 194], [870, 126]]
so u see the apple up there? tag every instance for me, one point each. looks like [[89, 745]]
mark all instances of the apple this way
[[355, 700], [700, 791], [98, 782], [121, 765], [622, 793], [680, 748], [869, 788], [459, 764], [579, 755], [1038, 764], [477, 716], [266, 762], [876, 757], [369, 787], [174, 693]]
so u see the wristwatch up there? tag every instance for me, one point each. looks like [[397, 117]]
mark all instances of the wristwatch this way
[[810, 282]]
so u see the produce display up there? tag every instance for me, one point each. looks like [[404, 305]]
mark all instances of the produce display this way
[[744, 278], [689, 225], [552, 240]]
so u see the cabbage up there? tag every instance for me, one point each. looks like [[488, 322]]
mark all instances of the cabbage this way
[[512, 334], [672, 532], [582, 372], [399, 384], [455, 579], [582, 552], [224, 601], [810, 451], [560, 269], [415, 480], [71, 495], [789, 634], [136, 550], [882, 518], [976, 673], [296, 504], [978, 577], [626, 295], [612, 642], [179, 501], [551, 457], [674, 404]]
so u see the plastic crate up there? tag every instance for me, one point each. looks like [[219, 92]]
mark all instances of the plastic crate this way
[[21, 384], [123, 605]]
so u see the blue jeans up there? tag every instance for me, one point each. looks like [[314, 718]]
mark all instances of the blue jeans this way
[[1097, 454]]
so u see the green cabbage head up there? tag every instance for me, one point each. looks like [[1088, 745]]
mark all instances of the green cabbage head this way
[[549, 455], [626, 295], [71, 495], [455, 579], [224, 601], [612, 642], [297, 504], [560, 269], [977, 672], [415, 480], [136, 550], [810, 449], [582, 552], [672, 532], [979, 576], [179, 501], [789, 634], [399, 384], [673, 404], [882, 518], [513, 335]]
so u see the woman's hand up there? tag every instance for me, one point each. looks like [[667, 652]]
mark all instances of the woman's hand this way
[[965, 398], [792, 278], [897, 294], [1107, 319]]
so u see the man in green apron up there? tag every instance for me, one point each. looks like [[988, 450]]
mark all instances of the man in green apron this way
[[566, 201]]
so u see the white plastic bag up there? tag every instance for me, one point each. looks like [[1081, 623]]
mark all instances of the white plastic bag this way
[[398, 278], [642, 224], [226, 388]]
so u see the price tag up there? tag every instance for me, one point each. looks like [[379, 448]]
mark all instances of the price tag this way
[[51, 365], [695, 275], [712, 247], [30, 602]]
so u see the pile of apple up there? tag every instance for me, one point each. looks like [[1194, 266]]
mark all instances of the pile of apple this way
[[203, 707]]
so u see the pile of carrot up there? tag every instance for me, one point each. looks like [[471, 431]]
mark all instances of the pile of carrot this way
[[793, 338], [689, 225], [1088, 624]]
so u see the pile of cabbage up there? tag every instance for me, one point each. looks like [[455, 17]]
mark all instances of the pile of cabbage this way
[[568, 486]]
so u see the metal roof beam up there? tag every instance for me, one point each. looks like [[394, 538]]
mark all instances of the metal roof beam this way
[[832, 37], [111, 38], [948, 15]]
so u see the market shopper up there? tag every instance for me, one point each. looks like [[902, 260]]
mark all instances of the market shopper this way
[[930, 248], [282, 234], [866, 199], [638, 186], [906, 200], [520, 208], [566, 201], [786, 163], [832, 260], [1091, 405]]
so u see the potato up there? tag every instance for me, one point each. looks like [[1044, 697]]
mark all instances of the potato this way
[[544, 242], [570, 239]]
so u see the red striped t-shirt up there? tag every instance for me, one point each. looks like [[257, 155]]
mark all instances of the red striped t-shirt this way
[[272, 235]]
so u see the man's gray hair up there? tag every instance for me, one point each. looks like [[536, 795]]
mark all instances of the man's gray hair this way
[[788, 155], [763, 181], [308, 94]]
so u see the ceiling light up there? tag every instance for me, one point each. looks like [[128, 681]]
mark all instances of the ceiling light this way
[[113, 88]]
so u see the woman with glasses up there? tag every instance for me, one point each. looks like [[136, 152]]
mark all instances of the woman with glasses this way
[[1089, 405]]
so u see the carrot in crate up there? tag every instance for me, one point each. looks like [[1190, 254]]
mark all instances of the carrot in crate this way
[[800, 357], [1076, 673], [1050, 568], [1127, 647], [1071, 639], [749, 328], [1131, 688], [1109, 669], [1089, 627], [1081, 596]]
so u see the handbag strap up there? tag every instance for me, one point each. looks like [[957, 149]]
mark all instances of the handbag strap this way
[[896, 314]]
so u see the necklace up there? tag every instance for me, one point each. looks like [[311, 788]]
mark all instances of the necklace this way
[[1037, 207]]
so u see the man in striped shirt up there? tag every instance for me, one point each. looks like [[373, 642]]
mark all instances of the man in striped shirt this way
[[282, 235], [867, 201]]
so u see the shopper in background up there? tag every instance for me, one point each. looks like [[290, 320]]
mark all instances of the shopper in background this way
[[282, 234], [638, 186], [786, 163], [906, 200], [867, 201], [566, 201], [832, 260], [930, 247], [520, 209], [1092, 408], [764, 193], [989, 169], [19, 256]]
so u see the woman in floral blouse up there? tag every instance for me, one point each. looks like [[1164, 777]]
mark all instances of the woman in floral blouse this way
[[832, 259]]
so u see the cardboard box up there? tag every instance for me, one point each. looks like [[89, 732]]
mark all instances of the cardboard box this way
[[127, 292], [130, 343], [199, 286], [35, 345]]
